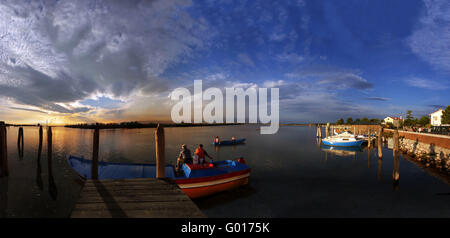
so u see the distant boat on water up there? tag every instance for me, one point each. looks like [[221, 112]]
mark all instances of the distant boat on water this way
[[230, 142]]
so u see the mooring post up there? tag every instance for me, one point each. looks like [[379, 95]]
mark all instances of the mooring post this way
[[96, 142], [3, 150], [160, 152], [396, 140], [369, 142], [49, 147], [379, 142], [40, 143]]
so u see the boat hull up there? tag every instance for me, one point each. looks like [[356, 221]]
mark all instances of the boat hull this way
[[207, 188], [229, 142], [344, 144]]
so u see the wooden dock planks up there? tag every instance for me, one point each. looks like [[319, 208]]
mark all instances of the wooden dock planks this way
[[134, 198]]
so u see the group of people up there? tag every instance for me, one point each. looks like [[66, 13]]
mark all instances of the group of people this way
[[185, 156]]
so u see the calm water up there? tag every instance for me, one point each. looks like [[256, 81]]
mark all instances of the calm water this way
[[291, 175]]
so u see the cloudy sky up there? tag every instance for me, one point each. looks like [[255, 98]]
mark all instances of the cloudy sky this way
[[109, 61]]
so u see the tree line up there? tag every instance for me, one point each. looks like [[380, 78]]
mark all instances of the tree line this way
[[409, 120], [357, 121]]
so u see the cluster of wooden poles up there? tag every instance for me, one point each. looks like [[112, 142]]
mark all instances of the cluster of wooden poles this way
[[395, 173], [4, 171], [160, 152]]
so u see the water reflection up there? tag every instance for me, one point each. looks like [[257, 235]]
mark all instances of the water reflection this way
[[396, 171], [380, 169], [342, 151], [39, 169], [52, 190], [51, 181], [285, 167], [20, 143]]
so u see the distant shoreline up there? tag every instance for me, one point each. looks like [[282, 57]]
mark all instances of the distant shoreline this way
[[135, 125]]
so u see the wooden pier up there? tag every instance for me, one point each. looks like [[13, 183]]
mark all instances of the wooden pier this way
[[134, 198]]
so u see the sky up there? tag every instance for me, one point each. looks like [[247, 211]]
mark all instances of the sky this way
[[67, 62]]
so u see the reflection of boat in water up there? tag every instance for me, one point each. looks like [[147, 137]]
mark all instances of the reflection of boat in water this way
[[341, 148], [343, 139], [196, 181], [342, 151]]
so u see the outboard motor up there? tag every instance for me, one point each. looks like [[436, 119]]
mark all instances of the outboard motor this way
[[241, 160]]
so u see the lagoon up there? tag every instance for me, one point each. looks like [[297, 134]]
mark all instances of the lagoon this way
[[292, 175]]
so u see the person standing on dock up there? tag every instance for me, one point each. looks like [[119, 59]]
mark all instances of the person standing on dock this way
[[184, 157], [201, 153]]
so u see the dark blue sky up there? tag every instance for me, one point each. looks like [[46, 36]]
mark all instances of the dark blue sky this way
[[330, 59], [366, 55]]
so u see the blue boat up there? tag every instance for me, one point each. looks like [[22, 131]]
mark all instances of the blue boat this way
[[230, 142], [196, 180], [343, 139], [331, 142]]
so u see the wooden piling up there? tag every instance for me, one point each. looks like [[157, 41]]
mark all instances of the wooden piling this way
[[395, 140], [96, 144], [379, 142], [327, 130], [3, 150], [369, 142], [160, 152], [49, 147], [40, 143]]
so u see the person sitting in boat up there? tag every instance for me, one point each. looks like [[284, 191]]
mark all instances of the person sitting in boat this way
[[201, 153], [216, 140], [233, 139], [184, 157]]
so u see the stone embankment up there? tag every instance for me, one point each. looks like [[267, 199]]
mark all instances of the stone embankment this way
[[429, 149]]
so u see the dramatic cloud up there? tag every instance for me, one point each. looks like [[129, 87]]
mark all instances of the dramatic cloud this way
[[55, 53], [431, 40]]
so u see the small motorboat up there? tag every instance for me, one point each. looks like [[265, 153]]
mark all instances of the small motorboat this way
[[230, 142], [197, 180], [342, 139]]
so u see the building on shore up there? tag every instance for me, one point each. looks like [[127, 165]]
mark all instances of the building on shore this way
[[436, 117], [393, 120]]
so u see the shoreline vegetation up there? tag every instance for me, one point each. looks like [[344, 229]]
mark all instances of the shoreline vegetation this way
[[136, 125]]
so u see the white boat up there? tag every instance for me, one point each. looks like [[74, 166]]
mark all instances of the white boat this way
[[343, 139]]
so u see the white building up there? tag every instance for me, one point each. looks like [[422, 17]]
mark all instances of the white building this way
[[435, 117], [393, 120]]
